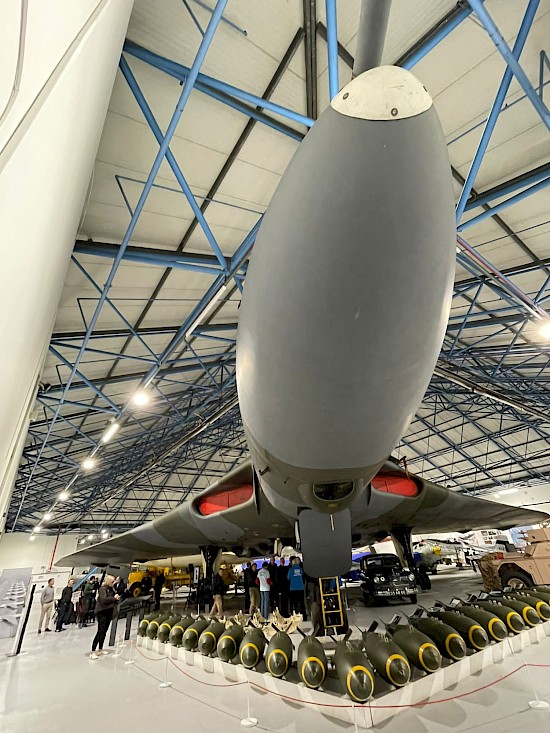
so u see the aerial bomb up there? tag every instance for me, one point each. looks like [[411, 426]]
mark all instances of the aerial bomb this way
[[166, 627], [449, 642], [145, 621], [209, 637], [312, 662], [419, 648], [152, 629], [387, 658], [541, 606], [229, 642], [492, 624], [541, 592], [252, 648], [526, 610], [178, 630], [354, 671], [278, 655], [472, 633], [191, 636], [507, 615]]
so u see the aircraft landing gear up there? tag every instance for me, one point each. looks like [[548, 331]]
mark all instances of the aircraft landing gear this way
[[211, 556], [401, 537]]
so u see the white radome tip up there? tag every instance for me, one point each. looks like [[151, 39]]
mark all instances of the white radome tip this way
[[383, 93]]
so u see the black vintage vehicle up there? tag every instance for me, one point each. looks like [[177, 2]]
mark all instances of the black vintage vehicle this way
[[383, 576]]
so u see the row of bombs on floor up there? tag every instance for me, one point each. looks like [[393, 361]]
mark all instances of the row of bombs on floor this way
[[419, 645]]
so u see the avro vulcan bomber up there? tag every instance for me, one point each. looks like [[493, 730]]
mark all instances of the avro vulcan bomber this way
[[343, 314]]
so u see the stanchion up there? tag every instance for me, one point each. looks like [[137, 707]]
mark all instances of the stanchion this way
[[535, 704], [166, 683], [249, 721], [131, 660], [119, 646]]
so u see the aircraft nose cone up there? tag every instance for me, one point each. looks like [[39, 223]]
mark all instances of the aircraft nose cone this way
[[249, 655], [398, 671], [313, 673], [429, 657], [455, 646], [277, 663], [360, 683]]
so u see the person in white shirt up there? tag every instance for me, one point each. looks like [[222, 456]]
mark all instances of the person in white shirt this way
[[46, 599], [264, 582]]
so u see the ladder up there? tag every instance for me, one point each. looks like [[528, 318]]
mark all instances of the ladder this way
[[331, 603]]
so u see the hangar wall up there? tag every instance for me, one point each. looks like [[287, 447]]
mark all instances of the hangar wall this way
[[53, 100], [16, 551]]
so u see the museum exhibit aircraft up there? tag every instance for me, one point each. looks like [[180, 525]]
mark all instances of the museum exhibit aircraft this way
[[342, 318], [234, 514]]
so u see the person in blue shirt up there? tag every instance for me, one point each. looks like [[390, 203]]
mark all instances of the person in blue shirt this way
[[296, 582]]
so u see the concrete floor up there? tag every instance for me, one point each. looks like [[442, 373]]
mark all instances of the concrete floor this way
[[54, 686]]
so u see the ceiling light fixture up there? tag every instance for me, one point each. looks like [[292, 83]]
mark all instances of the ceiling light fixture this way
[[90, 537], [88, 464], [82, 542], [140, 398], [502, 492], [205, 311], [63, 496], [544, 330], [32, 537], [48, 516], [108, 434]]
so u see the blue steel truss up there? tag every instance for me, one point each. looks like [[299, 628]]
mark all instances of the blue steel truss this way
[[484, 420]]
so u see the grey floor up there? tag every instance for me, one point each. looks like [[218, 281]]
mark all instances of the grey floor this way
[[55, 687]]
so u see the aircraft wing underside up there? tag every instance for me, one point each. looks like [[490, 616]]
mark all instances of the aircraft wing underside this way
[[235, 515]]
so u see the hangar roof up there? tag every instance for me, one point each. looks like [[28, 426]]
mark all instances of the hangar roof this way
[[167, 323]]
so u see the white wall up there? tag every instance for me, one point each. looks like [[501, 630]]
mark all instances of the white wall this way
[[49, 134], [17, 551]]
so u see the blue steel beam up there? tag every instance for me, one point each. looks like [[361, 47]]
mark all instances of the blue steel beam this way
[[525, 27], [205, 82], [332, 47], [540, 186], [184, 96], [503, 48]]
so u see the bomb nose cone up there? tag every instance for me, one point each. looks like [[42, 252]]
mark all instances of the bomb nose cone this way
[[207, 643], [190, 640], [515, 622], [531, 616], [543, 609], [227, 648], [398, 670], [478, 637], [250, 655], [360, 683], [313, 672], [429, 657], [277, 663], [497, 629], [455, 646]]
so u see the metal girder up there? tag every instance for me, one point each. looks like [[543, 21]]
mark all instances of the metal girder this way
[[477, 379]]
